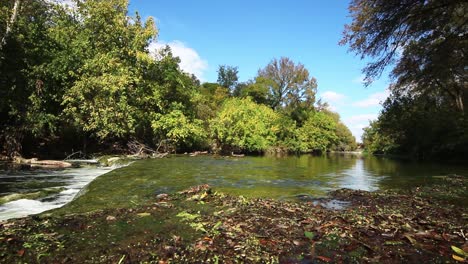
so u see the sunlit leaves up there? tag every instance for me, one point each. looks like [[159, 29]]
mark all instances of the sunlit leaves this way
[[245, 125]]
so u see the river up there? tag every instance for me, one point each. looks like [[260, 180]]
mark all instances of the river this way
[[290, 177]]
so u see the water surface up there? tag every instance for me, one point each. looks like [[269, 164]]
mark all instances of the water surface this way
[[293, 177], [28, 180], [268, 177]]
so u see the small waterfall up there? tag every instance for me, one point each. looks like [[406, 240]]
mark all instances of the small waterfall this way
[[71, 181]]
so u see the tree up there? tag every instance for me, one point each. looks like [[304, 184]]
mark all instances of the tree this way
[[10, 23], [106, 95], [257, 90], [420, 126], [345, 140], [317, 133], [426, 40], [289, 85], [244, 125], [25, 45], [227, 76]]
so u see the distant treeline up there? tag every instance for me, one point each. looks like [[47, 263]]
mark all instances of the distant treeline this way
[[81, 77]]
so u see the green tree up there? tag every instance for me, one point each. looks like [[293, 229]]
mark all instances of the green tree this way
[[425, 40], [244, 125], [257, 90], [317, 134], [178, 128], [24, 46], [421, 126], [345, 140], [227, 76], [289, 84], [104, 98]]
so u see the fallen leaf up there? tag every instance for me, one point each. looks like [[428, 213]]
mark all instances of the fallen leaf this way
[[322, 258], [411, 239], [21, 252], [458, 258], [309, 235], [459, 251], [143, 214], [297, 242]]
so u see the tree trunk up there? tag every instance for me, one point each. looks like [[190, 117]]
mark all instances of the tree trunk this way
[[10, 23]]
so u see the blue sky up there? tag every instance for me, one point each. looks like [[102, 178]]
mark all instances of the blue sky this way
[[249, 34]]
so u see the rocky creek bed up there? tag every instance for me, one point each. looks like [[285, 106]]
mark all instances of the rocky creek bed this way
[[427, 224]]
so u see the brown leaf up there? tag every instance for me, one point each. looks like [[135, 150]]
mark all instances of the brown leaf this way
[[322, 258], [21, 252], [297, 242]]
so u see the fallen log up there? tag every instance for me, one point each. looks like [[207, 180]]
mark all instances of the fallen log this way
[[44, 163]]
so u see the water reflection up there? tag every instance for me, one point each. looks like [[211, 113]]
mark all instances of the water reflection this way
[[270, 177]]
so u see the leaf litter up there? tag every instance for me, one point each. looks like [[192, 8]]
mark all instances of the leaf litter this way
[[200, 225]]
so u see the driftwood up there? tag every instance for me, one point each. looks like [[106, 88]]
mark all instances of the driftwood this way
[[43, 163], [141, 150], [196, 153]]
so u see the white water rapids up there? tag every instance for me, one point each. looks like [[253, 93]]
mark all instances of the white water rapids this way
[[72, 180]]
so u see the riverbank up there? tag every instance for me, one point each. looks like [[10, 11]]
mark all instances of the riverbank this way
[[202, 225]]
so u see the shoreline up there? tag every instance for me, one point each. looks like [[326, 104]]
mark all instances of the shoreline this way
[[202, 225]]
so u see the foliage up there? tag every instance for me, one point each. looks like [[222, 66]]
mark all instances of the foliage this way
[[24, 48], [242, 124], [289, 84], [425, 39], [376, 142], [178, 128], [227, 76], [86, 73], [420, 126], [426, 43], [345, 140], [257, 90], [317, 133]]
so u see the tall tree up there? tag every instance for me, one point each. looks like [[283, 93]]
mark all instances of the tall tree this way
[[25, 46], [10, 23], [227, 76], [289, 84], [426, 40]]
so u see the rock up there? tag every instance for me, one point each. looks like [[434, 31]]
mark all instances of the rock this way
[[110, 218], [162, 196]]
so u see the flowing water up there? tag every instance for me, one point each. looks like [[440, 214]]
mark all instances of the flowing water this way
[[66, 183], [293, 177]]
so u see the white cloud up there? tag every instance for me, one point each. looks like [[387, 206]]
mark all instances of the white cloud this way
[[361, 118], [373, 100], [357, 122], [190, 60], [333, 97]]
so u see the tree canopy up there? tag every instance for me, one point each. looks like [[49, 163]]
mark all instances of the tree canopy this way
[[289, 84], [425, 43], [425, 40], [83, 77]]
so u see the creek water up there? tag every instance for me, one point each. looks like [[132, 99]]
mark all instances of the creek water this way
[[292, 177], [26, 180]]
